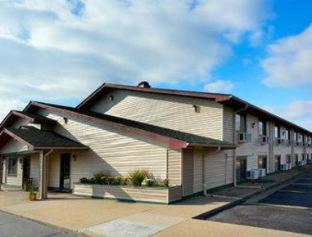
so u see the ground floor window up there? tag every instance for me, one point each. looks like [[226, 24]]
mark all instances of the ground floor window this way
[[262, 162], [12, 167], [297, 159]]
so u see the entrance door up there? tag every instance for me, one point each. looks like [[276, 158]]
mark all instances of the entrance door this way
[[65, 173], [277, 162], [26, 168], [241, 168], [262, 162]]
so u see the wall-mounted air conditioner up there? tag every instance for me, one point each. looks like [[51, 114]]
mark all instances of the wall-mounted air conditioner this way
[[262, 172], [244, 137], [288, 166], [283, 167], [253, 174]]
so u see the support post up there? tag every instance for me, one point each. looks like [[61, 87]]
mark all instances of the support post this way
[[43, 191]]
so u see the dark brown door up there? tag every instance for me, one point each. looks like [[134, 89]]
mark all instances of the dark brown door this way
[[65, 173], [26, 168]]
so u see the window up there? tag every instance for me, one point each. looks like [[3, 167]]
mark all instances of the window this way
[[241, 123], [277, 132], [262, 128], [12, 167], [287, 134]]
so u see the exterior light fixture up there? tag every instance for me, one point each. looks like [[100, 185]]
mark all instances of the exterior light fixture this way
[[65, 120], [196, 108]]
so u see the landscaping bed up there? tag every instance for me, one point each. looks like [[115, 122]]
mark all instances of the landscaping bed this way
[[130, 193]]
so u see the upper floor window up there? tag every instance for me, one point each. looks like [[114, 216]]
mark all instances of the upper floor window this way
[[241, 123], [262, 128], [12, 167], [287, 134], [277, 132], [299, 137]]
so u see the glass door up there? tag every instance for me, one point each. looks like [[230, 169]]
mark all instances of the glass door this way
[[65, 173]]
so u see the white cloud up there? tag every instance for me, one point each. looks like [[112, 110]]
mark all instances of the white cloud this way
[[298, 111], [289, 62], [220, 86], [49, 52]]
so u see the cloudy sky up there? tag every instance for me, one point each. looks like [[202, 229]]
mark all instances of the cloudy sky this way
[[59, 51]]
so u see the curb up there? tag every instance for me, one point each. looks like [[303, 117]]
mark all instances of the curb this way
[[230, 205]]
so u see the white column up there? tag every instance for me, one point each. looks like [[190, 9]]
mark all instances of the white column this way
[[43, 191]]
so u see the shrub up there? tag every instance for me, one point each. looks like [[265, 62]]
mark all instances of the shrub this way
[[166, 182], [84, 180], [100, 177], [137, 177], [149, 182]]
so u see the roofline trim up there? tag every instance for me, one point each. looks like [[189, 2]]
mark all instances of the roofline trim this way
[[19, 139], [172, 143]]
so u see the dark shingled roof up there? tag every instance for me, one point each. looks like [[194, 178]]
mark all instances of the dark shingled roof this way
[[43, 139], [182, 136]]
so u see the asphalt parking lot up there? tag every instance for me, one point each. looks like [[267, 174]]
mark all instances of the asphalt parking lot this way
[[14, 226], [287, 209]]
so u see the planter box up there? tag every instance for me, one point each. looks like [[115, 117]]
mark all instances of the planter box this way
[[143, 194]]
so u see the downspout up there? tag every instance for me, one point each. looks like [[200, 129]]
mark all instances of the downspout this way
[[204, 173], [234, 139]]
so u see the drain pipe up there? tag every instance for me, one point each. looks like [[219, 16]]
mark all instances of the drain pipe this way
[[234, 139], [204, 173]]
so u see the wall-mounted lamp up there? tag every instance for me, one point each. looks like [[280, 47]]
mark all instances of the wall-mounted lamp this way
[[196, 108], [111, 98], [65, 120], [253, 125], [74, 157]]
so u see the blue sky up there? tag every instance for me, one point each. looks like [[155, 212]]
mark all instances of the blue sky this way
[[59, 51]]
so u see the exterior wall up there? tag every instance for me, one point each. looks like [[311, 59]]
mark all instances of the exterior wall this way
[[174, 167], [13, 146], [111, 150], [34, 169], [228, 124], [166, 111], [282, 149], [18, 179], [253, 148], [54, 170]]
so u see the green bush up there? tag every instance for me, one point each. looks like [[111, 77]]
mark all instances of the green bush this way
[[137, 177]]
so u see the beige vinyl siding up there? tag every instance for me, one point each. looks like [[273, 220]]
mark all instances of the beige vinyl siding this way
[[252, 149], [228, 126], [174, 167], [13, 146], [198, 171], [218, 169], [34, 169], [166, 111], [18, 179], [112, 151], [54, 170], [188, 172]]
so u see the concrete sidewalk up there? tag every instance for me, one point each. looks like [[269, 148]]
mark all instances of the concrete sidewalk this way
[[96, 217]]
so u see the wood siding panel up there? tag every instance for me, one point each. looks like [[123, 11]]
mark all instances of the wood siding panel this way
[[34, 169], [166, 111], [228, 126], [111, 151], [13, 146], [188, 172], [174, 167], [198, 171]]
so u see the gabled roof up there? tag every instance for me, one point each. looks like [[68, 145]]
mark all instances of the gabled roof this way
[[32, 118], [174, 139], [226, 99], [37, 139]]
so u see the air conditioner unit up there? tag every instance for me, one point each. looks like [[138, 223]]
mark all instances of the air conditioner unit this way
[[283, 167], [262, 172], [264, 140], [310, 161], [300, 163], [288, 165], [244, 137], [253, 174]]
